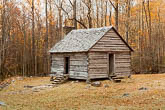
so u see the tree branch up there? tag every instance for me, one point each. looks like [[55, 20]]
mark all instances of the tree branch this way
[[73, 18], [71, 3], [112, 4], [86, 4], [81, 23]]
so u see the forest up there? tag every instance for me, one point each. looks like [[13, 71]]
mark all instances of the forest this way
[[29, 28]]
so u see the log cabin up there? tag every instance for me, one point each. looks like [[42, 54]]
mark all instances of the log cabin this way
[[91, 53]]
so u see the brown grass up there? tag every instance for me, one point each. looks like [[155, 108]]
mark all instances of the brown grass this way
[[76, 96]]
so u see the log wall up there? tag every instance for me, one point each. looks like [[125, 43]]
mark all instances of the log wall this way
[[98, 64], [98, 56], [123, 64], [78, 65], [110, 42]]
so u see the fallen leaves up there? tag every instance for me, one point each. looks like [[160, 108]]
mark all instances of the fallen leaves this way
[[76, 96]]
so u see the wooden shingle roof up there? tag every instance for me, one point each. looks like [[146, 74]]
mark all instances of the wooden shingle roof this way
[[80, 40]]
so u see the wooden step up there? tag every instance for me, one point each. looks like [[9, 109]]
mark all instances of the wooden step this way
[[117, 77], [112, 76], [56, 80], [59, 78], [66, 75], [117, 80], [120, 77]]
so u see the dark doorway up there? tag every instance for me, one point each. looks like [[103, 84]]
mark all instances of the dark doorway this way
[[66, 65], [111, 64]]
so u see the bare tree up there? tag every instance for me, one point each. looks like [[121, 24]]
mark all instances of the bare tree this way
[[106, 8], [60, 7], [128, 18], [33, 40], [88, 4], [74, 14], [116, 8]]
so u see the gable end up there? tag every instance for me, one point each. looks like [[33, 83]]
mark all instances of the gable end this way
[[122, 39], [111, 41]]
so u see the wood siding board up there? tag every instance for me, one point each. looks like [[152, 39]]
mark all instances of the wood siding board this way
[[78, 64], [123, 63], [114, 63], [98, 76], [111, 41], [101, 50], [97, 65], [108, 48], [123, 39]]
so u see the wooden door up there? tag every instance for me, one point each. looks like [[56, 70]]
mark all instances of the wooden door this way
[[66, 65], [111, 62]]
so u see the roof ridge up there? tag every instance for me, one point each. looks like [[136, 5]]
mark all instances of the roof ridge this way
[[93, 28]]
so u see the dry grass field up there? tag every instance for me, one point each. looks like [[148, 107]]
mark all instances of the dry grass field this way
[[81, 96]]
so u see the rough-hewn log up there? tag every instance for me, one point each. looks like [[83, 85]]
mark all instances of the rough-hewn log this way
[[110, 42], [77, 65]]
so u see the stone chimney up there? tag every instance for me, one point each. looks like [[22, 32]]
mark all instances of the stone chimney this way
[[67, 29]]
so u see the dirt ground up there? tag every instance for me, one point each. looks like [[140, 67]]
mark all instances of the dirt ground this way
[[138, 93]]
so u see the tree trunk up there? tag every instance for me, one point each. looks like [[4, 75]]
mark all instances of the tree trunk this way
[[97, 13], [24, 56], [60, 20], [102, 13], [89, 13], [106, 7], [128, 17], [149, 16], [46, 38], [33, 41], [116, 14], [110, 16], [74, 14]]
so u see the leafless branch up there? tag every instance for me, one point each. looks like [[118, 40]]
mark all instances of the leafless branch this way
[[67, 13], [85, 4], [73, 18], [71, 3], [112, 4]]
